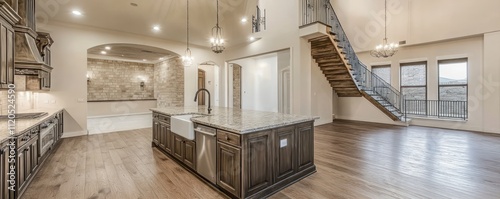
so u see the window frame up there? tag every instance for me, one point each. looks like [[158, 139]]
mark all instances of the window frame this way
[[401, 65], [383, 66], [453, 85]]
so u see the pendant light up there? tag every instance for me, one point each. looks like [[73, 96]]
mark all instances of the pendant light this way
[[187, 59], [217, 40], [385, 49]]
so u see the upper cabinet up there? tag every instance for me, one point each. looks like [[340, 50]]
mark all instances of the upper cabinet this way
[[8, 18], [24, 53]]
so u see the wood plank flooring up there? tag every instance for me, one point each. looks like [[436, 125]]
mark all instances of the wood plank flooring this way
[[354, 160]]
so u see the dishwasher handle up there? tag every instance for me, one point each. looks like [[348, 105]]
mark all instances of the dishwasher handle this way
[[205, 132]]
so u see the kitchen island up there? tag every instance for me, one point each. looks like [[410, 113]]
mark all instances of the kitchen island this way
[[256, 154]]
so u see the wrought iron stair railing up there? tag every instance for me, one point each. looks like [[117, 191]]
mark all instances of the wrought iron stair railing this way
[[314, 11]]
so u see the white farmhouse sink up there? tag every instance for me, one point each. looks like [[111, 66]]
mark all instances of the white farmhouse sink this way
[[183, 126]]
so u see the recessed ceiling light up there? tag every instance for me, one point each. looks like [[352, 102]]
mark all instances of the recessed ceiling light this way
[[244, 20], [162, 58], [144, 60], [251, 38], [104, 52], [77, 13], [133, 4], [156, 28], [107, 47]]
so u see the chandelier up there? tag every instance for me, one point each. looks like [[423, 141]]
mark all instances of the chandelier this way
[[385, 49], [216, 40], [187, 59]]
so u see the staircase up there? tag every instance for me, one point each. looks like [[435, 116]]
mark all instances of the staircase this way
[[343, 70]]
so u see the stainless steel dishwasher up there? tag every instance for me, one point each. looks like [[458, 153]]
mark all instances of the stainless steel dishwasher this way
[[206, 152]]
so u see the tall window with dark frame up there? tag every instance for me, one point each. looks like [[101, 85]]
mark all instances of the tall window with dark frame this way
[[414, 87], [383, 71], [453, 87]]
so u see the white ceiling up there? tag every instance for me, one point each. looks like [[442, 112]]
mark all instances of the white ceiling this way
[[170, 15]]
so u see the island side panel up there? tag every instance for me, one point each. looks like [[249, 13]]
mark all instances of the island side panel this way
[[257, 162]]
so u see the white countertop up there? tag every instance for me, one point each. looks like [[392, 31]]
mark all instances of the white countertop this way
[[23, 124], [237, 120]]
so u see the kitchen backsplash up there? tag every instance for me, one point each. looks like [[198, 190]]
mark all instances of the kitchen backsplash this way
[[119, 80], [24, 100], [169, 82]]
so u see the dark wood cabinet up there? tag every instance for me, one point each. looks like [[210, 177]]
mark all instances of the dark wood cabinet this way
[[178, 147], [305, 146], [286, 154], [27, 162], [156, 132], [189, 156], [229, 168], [7, 38], [258, 162], [5, 170]]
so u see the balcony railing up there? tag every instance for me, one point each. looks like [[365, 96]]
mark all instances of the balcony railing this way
[[436, 108]]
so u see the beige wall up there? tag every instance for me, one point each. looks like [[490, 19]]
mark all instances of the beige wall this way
[[415, 21], [69, 59], [119, 80], [483, 81]]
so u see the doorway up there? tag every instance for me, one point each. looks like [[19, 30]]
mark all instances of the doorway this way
[[201, 84]]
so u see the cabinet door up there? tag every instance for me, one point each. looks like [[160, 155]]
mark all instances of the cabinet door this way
[[156, 131], [178, 148], [228, 168], [305, 146], [162, 134], [257, 162], [189, 157], [285, 153], [10, 56], [21, 166], [34, 155], [3, 54], [167, 139]]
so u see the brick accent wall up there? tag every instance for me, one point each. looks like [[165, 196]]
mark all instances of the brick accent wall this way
[[236, 86], [169, 83], [119, 80]]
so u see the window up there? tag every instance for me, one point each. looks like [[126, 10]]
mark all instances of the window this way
[[383, 71], [453, 88], [414, 80], [453, 80]]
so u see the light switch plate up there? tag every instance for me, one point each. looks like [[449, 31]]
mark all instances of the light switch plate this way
[[283, 143]]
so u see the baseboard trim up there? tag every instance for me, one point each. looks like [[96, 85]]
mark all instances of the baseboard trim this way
[[74, 134]]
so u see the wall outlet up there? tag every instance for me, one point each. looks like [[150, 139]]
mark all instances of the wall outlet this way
[[283, 143]]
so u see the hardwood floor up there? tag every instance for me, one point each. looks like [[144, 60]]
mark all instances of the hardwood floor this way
[[354, 160]]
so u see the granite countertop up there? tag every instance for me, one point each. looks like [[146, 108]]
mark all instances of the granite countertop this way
[[236, 120], [23, 124]]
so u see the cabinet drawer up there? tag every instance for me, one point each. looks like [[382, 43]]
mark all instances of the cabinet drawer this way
[[27, 136], [155, 116], [229, 138], [164, 118]]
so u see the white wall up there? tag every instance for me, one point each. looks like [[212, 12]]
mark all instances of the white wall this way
[[69, 59], [259, 82], [283, 33]]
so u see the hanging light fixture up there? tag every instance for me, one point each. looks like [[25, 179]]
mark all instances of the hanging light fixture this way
[[187, 59], [385, 49], [216, 40]]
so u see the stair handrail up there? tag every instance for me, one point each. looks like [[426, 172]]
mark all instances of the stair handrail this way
[[366, 79]]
